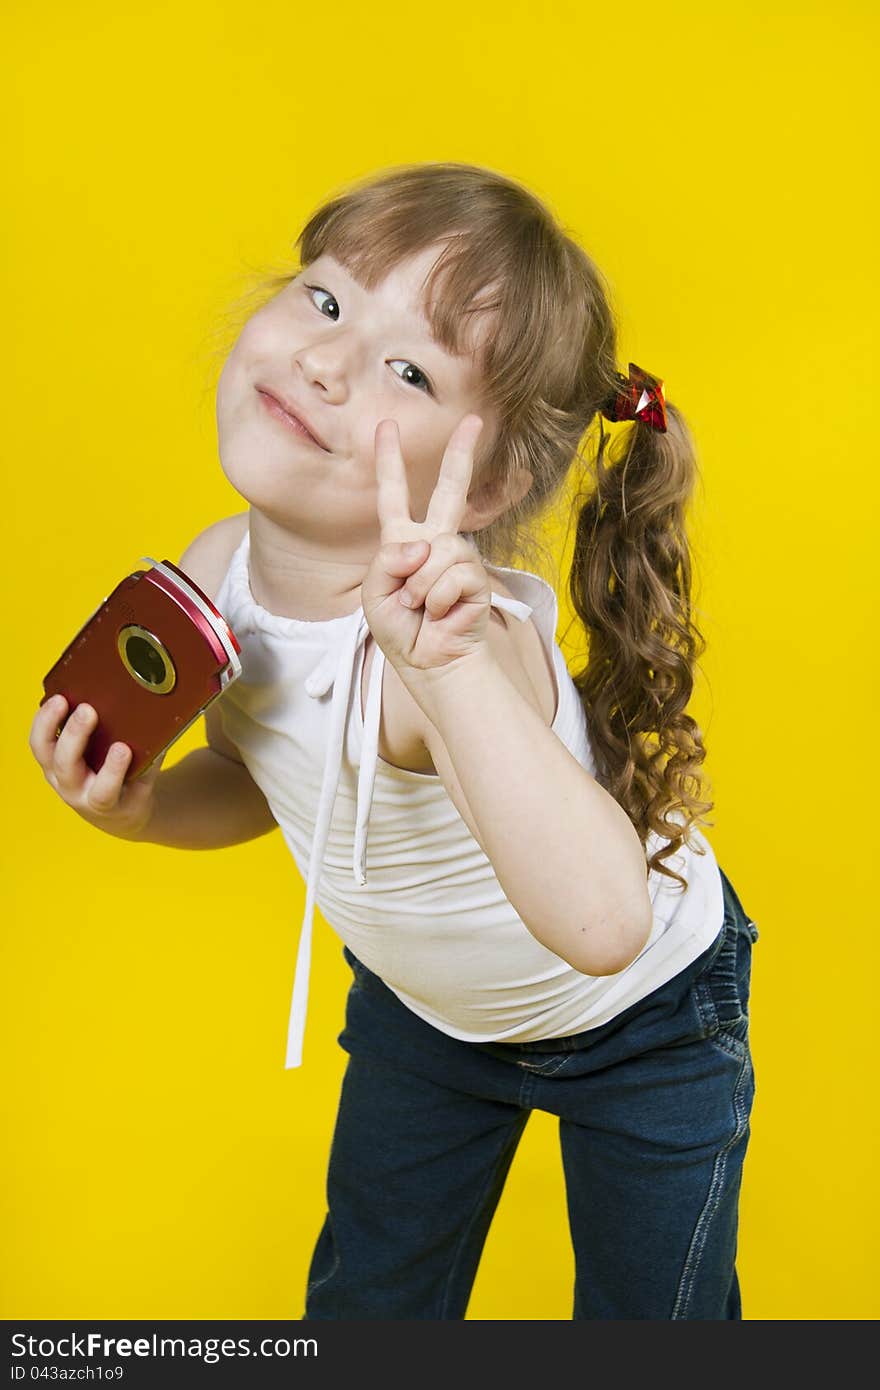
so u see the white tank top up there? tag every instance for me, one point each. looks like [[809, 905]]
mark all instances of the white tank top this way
[[423, 909]]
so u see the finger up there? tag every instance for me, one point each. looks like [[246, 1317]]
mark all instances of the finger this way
[[394, 561], [466, 582], [392, 497], [44, 729], [68, 764], [445, 551], [449, 499], [106, 785]]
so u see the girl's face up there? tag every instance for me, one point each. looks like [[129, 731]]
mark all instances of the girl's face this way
[[345, 358]]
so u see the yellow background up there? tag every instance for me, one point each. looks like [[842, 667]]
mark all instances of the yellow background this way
[[719, 163]]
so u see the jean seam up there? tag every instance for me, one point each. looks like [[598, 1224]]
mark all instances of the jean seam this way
[[710, 1207], [544, 1068], [729, 1042], [513, 1140], [716, 1029], [318, 1283], [705, 1007]]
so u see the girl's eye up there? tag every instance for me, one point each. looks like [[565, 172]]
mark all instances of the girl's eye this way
[[411, 366], [318, 290], [423, 385]]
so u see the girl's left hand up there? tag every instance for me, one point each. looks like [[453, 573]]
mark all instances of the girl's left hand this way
[[444, 576]]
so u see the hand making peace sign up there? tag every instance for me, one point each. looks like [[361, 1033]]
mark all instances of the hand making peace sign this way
[[444, 575]]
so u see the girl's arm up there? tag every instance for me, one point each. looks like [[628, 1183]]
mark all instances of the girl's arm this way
[[565, 853], [206, 801]]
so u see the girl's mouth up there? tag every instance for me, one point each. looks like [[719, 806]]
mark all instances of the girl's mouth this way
[[292, 424]]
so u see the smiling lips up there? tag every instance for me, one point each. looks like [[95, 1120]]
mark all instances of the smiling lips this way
[[275, 408]]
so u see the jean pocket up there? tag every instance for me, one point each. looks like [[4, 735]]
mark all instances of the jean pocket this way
[[722, 990]]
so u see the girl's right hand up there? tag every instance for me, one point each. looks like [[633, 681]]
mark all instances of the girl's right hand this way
[[100, 797]]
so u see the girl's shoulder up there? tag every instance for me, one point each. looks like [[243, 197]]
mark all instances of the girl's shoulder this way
[[529, 663], [206, 559]]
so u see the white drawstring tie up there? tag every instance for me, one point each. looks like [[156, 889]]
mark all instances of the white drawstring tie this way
[[336, 668]]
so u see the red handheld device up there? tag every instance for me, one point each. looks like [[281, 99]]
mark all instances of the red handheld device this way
[[149, 660]]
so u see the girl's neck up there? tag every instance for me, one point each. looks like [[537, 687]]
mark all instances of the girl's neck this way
[[293, 578]]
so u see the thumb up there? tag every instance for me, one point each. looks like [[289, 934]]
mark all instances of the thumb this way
[[402, 557]]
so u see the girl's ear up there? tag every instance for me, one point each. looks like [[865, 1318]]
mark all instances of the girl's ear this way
[[491, 499]]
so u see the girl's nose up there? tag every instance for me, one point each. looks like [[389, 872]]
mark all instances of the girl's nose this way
[[326, 367]]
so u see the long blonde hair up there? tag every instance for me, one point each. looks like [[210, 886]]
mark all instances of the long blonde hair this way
[[548, 366]]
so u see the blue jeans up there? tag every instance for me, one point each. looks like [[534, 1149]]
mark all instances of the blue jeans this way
[[653, 1111]]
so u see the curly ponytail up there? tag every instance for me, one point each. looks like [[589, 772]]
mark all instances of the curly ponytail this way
[[630, 584]]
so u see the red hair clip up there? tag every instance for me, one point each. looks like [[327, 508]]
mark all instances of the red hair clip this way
[[639, 398]]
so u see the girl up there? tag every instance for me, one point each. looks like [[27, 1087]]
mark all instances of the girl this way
[[536, 921]]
